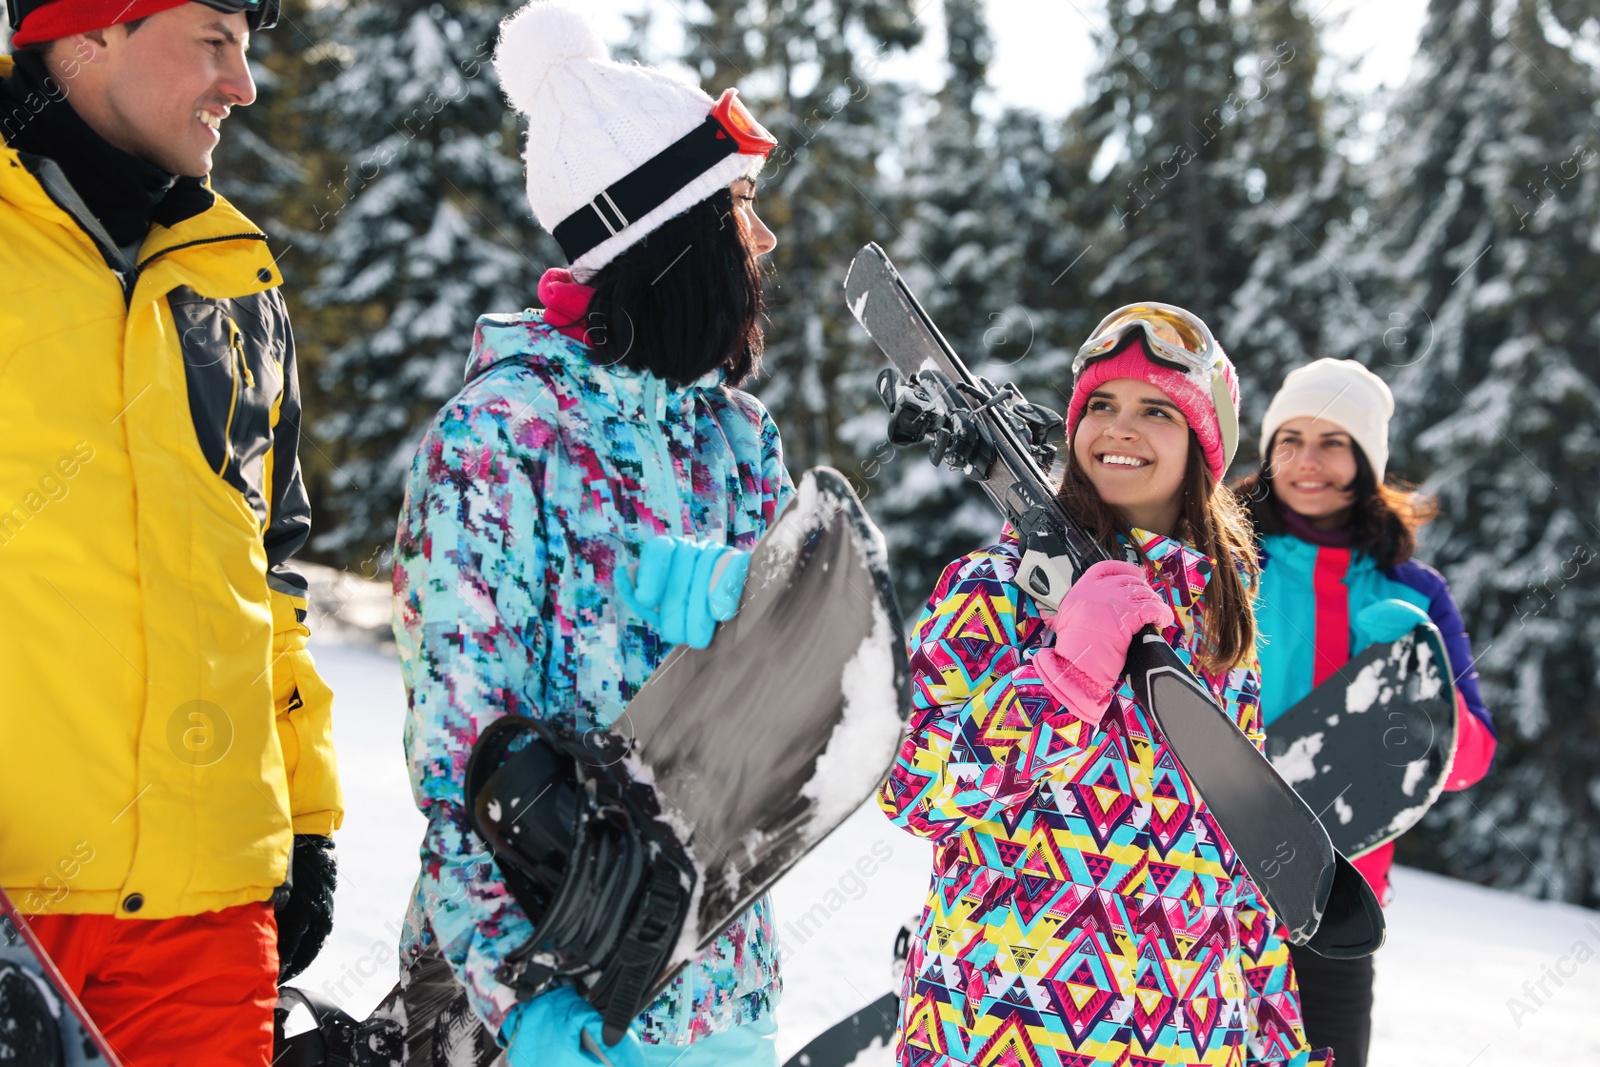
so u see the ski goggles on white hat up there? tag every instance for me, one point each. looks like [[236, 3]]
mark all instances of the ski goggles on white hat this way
[[728, 130], [1173, 338]]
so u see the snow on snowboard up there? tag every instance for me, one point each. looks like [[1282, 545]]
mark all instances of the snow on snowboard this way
[[633, 848], [41, 1022], [994, 436], [1369, 748]]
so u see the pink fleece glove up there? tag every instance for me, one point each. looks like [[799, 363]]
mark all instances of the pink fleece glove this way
[[1098, 618]]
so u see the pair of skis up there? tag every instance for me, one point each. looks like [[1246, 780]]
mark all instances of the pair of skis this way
[[994, 436]]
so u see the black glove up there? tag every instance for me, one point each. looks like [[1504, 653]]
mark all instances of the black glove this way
[[305, 918]]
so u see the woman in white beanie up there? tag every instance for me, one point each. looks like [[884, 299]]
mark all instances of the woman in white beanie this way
[[600, 433], [1336, 576]]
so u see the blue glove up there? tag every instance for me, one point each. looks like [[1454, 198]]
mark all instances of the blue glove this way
[[684, 588], [1385, 621], [549, 1030]]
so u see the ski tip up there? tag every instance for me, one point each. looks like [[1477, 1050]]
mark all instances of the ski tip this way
[[868, 252]]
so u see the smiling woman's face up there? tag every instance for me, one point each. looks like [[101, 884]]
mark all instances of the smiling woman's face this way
[[1313, 467], [1133, 443]]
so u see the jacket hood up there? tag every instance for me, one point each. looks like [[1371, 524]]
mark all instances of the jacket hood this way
[[526, 339]]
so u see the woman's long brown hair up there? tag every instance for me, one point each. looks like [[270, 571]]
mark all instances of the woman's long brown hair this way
[[1213, 521], [1384, 518]]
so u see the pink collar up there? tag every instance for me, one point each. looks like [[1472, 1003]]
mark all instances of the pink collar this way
[[565, 303]]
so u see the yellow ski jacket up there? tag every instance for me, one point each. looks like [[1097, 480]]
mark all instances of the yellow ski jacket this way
[[163, 730]]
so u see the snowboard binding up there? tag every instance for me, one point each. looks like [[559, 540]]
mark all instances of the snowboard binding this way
[[337, 1040], [586, 853]]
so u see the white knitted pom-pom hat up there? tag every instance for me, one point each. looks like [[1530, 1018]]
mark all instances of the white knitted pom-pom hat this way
[[614, 149], [1340, 391]]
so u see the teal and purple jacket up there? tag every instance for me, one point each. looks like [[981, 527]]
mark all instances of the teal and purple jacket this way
[[1310, 595]]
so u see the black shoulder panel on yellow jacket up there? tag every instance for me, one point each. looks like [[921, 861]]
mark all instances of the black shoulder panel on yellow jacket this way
[[234, 354]]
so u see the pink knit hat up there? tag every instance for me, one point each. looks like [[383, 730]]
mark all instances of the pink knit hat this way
[[1192, 395]]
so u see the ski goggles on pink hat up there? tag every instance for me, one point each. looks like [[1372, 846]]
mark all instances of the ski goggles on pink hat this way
[[1180, 356]]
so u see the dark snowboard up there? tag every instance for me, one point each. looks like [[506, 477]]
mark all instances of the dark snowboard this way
[[842, 1043], [1369, 749], [874, 1025], [995, 437], [41, 1022]]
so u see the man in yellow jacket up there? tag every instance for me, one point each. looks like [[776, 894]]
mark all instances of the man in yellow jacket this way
[[165, 741]]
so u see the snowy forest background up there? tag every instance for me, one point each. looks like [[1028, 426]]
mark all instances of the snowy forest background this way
[[1444, 234]]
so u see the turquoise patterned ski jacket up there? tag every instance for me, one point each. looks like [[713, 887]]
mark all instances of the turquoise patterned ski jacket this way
[[540, 478]]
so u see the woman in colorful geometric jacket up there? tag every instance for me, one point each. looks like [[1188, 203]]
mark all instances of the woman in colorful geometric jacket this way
[[600, 432], [1084, 908], [1337, 575]]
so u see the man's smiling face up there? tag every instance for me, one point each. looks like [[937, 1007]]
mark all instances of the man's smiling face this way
[[169, 84]]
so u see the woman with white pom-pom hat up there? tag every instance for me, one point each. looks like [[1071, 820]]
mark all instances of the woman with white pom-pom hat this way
[[603, 430]]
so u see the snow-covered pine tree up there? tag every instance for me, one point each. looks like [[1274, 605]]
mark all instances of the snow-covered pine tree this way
[[272, 152], [1160, 131], [810, 71], [1302, 296], [1491, 202], [425, 227]]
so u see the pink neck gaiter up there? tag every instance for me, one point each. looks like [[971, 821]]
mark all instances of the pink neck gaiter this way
[[565, 303]]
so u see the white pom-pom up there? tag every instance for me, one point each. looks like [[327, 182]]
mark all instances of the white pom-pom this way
[[535, 41]]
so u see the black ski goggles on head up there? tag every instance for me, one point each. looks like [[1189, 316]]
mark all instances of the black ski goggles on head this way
[[1173, 338], [259, 14]]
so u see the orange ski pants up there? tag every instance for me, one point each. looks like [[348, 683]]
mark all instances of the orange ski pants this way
[[198, 989]]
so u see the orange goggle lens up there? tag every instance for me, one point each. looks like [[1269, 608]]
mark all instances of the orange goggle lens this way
[[1178, 333], [737, 122]]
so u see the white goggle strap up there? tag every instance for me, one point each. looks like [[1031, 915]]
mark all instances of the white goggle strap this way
[[1227, 417]]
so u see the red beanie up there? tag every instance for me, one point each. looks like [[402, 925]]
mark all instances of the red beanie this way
[[63, 18], [1192, 396]]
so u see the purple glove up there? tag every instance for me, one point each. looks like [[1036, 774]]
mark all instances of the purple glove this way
[[1098, 618]]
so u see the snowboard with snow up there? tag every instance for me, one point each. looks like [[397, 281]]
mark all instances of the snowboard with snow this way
[[993, 435], [759, 746], [42, 1024], [1369, 748]]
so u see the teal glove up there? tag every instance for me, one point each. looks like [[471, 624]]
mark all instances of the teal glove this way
[[684, 588], [1385, 621], [549, 1031]]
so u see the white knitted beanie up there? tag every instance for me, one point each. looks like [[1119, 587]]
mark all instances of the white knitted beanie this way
[[592, 120], [1340, 391]]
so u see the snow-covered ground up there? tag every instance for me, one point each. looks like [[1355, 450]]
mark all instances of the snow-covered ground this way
[[1469, 977]]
